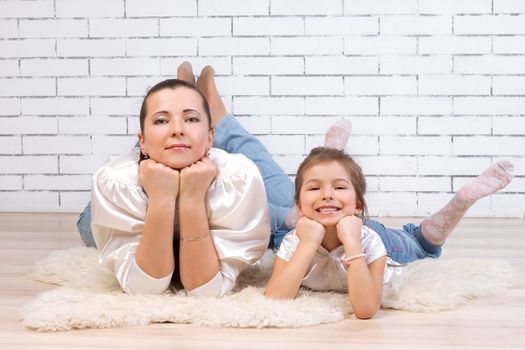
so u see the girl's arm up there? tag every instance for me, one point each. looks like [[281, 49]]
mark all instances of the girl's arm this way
[[198, 260], [365, 281], [288, 275]]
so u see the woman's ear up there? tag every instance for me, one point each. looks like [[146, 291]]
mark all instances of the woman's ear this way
[[141, 143]]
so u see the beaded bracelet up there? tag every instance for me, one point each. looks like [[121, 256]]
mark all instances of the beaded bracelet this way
[[194, 238], [346, 261]]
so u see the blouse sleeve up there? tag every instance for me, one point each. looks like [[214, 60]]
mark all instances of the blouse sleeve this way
[[288, 246], [118, 210], [372, 244], [238, 220]]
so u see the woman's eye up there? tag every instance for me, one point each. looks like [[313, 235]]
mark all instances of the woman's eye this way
[[160, 121], [193, 119]]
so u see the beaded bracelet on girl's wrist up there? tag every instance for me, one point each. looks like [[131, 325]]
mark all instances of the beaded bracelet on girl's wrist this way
[[346, 260]]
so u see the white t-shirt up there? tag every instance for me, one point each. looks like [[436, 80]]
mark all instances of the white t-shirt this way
[[326, 271]]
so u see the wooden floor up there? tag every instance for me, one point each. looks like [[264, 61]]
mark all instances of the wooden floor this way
[[496, 322]]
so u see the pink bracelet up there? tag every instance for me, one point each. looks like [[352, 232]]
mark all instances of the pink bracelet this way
[[346, 261]]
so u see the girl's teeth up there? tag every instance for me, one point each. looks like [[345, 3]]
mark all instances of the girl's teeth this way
[[327, 210]]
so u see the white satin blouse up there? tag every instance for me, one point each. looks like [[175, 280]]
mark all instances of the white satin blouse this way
[[237, 215], [326, 271]]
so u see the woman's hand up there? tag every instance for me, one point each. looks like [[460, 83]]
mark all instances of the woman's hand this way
[[159, 181], [349, 230], [196, 178], [310, 231]]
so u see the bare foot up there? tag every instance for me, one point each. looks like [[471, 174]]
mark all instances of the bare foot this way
[[206, 85], [185, 72]]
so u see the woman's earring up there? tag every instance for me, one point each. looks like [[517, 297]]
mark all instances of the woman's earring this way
[[144, 156]]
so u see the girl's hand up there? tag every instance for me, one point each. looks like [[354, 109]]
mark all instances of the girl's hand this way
[[349, 230], [159, 181], [310, 231], [196, 178]]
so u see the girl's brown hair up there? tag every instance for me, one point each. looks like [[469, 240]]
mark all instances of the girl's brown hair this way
[[320, 155]]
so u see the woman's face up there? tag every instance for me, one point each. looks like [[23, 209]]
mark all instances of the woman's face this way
[[176, 130]]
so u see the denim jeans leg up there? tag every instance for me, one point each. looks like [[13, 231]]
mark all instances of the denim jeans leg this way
[[84, 226]]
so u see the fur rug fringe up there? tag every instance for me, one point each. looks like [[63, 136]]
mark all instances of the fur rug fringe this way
[[90, 297]]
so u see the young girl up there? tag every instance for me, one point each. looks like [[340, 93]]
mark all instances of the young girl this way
[[176, 208], [332, 249]]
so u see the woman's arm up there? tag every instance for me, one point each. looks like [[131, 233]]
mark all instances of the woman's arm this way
[[288, 275]]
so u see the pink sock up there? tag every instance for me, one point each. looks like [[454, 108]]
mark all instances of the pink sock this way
[[338, 134]]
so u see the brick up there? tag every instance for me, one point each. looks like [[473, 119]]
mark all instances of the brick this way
[[288, 144], [358, 145], [268, 105], [380, 85], [508, 205], [499, 24], [489, 105], [27, 87], [441, 64], [10, 145], [28, 164], [307, 86], [283, 26], [55, 28], [433, 165], [57, 182], [391, 204], [444, 44], [124, 106], [161, 47], [341, 25], [10, 183], [306, 7], [92, 8], [306, 46], [234, 46], [256, 125], [127, 27], [453, 6], [91, 86], [55, 106], [140, 86], [383, 125], [8, 28], [92, 125], [342, 65], [369, 7], [388, 165], [301, 125], [161, 8], [82, 164], [268, 65], [91, 47], [34, 201], [125, 66], [508, 126], [27, 48], [415, 184], [26, 9], [503, 85], [489, 65], [415, 145], [454, 85], [74, 201], [54, 67], [509, 6], [289, 163], [29, 125], [56, 144], [222, 65], [342, 106], [112, 144], [233, 8], [239, 86], [10, 106], [380, 45], [416, 25], [9, 68], [195, 27], [489, 145], [416, 105], [454, 125], [509, 44]]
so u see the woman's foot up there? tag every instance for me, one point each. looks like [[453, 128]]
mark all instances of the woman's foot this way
[[185, 72], [206, 85], [338, 134]]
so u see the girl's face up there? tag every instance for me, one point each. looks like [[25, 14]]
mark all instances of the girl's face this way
[[327, 194], [176, 130]]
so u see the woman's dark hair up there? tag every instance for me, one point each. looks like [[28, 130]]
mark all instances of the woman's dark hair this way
[[320, 155], [170, 84]]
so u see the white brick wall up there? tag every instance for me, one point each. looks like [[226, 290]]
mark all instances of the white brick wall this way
[[435, 90]]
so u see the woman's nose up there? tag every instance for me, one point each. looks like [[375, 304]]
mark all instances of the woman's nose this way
[[177, 127]]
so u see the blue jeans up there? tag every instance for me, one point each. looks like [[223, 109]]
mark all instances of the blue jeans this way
[[231, 137], [405, 245]]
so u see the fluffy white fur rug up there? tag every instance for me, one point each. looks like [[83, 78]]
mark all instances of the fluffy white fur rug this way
[[89, 297]]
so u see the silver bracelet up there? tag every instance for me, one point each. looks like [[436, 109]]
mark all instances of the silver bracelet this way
[[194, 237]]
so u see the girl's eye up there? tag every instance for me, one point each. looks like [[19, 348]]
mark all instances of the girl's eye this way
[[312, 188], [340, 188]]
